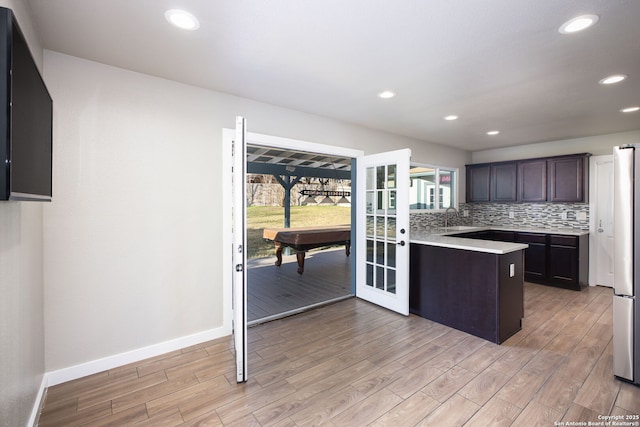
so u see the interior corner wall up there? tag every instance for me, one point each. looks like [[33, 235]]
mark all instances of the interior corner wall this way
[[596, 145], [21, 310], [21, 287], [133, 237]]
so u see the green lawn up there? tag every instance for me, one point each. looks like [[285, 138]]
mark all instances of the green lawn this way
[[261, 217]]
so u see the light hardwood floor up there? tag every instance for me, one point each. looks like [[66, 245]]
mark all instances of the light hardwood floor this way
[[355, 364]]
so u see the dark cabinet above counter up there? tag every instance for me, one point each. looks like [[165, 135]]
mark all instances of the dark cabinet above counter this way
[[532, 186], [560, 179], [568, 179]]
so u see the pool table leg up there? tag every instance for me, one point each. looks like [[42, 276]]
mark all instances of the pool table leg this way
[[278, 254], [300, 257]]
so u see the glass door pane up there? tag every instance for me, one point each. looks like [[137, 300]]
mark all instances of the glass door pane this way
[[381, 184]]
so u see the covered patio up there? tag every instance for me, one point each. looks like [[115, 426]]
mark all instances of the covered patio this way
[[276, 292]]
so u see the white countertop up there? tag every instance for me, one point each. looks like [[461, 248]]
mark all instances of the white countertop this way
[[441, 237], [562, 231], [489, 246]]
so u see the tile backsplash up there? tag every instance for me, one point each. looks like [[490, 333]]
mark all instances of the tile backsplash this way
[[535, 215]]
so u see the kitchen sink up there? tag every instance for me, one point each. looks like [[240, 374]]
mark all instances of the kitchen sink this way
[[459, 228], [454, 229]]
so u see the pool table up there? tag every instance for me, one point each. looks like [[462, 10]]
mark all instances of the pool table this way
[[305, 238]]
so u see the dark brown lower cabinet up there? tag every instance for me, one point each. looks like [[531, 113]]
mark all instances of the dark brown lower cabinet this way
[[569, 260], [563, 263], [476, 292], [551, 259], [535, 256]]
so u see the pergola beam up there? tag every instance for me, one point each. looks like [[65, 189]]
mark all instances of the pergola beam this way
[[288, 176], [300, 171]]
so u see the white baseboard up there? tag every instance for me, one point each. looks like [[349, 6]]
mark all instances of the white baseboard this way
[[38, 404], [110, 362]]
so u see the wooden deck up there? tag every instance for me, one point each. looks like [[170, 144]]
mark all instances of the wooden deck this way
[[278, 291], [355, 364]]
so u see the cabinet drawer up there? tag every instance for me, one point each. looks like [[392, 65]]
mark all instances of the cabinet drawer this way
[[564, 240], [531, 238]]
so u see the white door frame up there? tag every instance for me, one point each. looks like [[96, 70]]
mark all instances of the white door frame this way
[[239, 250], [593, 225], [226, 196]]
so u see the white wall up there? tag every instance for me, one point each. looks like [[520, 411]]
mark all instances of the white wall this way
[[596, 145], [133, 237], [21, 287]]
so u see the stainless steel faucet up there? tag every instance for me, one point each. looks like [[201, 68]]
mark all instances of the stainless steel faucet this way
[[446, 215]]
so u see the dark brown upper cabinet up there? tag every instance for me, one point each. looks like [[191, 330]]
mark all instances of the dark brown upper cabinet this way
[[561, 179], [567, 179], [504, 182], [532, 186], [478, 181]]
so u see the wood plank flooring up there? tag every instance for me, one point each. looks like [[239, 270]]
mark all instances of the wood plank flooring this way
[[355, 364], [274, 290]]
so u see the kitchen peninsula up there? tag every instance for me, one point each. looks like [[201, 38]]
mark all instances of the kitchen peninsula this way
[[472, 285]]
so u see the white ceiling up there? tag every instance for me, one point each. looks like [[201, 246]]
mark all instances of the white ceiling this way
[[497, 64]]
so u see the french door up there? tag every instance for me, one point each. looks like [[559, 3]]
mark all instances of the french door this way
[[382, 239], [239, 257], [382, 235]]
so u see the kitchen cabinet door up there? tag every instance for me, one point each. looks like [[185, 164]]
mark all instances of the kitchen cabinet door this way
[[535, 256], [567, 179], [563, 259], [478, 183], [535, 262], [504, 182], [563, 264], [532, 183]]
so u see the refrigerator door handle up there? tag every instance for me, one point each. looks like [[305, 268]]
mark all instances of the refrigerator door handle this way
[[623, 337], [623, 174]]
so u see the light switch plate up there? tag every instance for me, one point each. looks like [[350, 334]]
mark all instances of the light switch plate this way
[[512, 270], [581, 216], [465, 213], [563, 215], [512, 215]]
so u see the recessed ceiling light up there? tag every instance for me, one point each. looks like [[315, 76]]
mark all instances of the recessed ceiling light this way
[[386, 94], [630, 109], [451, 117], [182, 19], [578, 23], [613, 79], [493, 132]]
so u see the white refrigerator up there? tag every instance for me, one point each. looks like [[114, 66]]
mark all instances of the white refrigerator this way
[[626, 256]]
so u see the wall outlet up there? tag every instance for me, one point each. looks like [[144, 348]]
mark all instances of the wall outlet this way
[[512, 214], [581, 216], [465, 213], [563, 215]]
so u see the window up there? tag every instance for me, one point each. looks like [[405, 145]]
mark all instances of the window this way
[[427, 181]]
